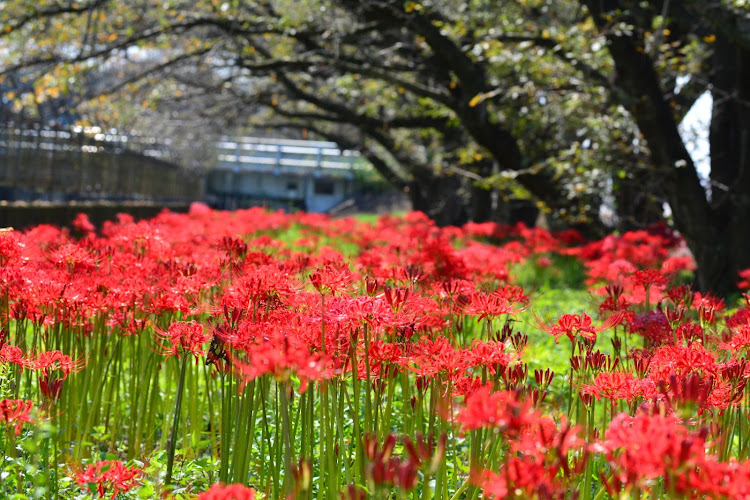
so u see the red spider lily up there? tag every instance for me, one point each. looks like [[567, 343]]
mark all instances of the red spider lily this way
[[220, 491], [73, 258], [11, 246], [739, 318], [574, 325], [302, 475], [673, 265], [654, 326], [620, 386], [51, 389], [396, 297], [646, 278], [680, 295], [690, 332], [616, 301], [707, 307], [504, 301], [185, 336], [353, 492], [15, 412], [522, 476], [682, 360], [435, 356], [646, 447], [82, 224], [739, 339], [502, 410], [108, 475], [745, 283], [12, 354], [489, 354], [385, 469], [235, 248], [331, 278], [486, 230], [264, 287], [51, 360], [538, 464], [279, 354], [382, 354], [689, 390]]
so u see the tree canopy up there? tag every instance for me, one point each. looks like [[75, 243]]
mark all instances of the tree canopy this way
[[565, 103]]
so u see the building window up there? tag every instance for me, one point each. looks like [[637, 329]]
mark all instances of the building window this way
[[291, 186], [325, 187]]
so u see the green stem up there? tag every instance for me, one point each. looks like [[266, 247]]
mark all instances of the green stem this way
[[284, 389], [175, 423], [461, 489]]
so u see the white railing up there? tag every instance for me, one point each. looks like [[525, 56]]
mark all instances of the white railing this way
[[232, 153], [289, 156], [85, 139]]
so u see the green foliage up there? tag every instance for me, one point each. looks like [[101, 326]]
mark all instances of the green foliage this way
[[537, 71]]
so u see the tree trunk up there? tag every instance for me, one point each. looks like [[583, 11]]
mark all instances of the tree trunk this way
[[714, 231], [729, 138], [636, 202], [440, 199], [480, 197]]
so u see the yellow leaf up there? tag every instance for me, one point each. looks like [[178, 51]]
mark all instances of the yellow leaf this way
[[476, 100], [710, 38], [412, 6]]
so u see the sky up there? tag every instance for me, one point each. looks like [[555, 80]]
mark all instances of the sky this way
[[694, 131]]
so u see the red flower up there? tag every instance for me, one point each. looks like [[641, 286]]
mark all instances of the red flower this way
[[187, 336], [654, 326], [620, 385], [108, 474], [51, 360], [506, 300], [521, 477], [15, 412], [278, 353], [649, 277], [12, 354], [502, 410], [645, 447], [489, 354], [707, 307], [332, 278], [745, 283], [228, 492], [739, 338], [573, 325], [82, 224]]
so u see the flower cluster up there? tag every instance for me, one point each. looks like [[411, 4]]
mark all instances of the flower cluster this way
[[14, 412], [108, 475], [414, 362]]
